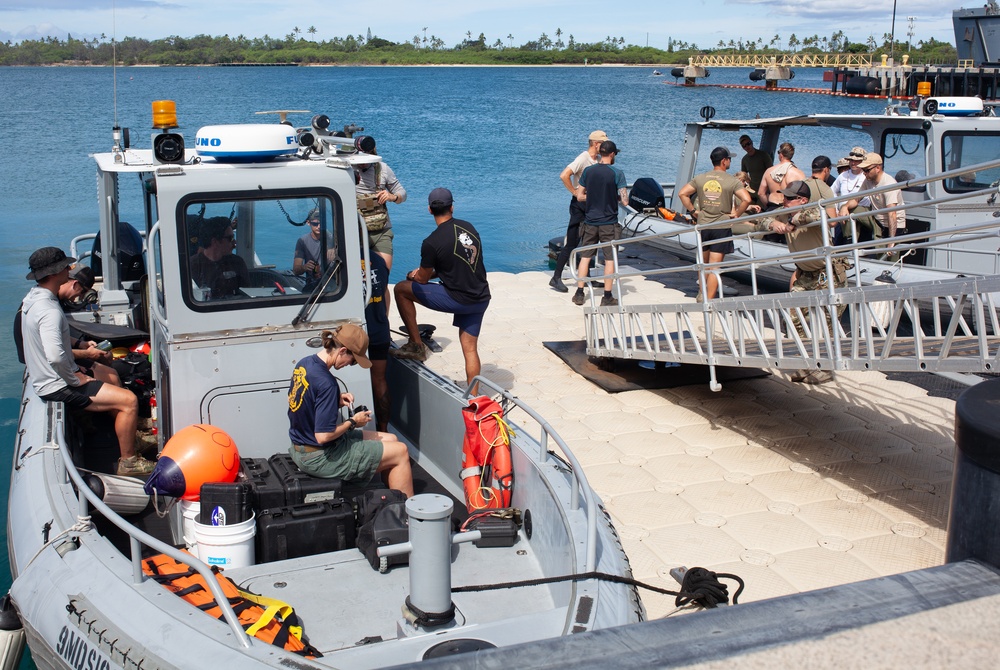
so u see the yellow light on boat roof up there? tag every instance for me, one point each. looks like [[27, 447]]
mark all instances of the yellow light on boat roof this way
[[923, 88], [164, 114]]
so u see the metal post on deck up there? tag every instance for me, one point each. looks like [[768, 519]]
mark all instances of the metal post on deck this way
[[975, 497]]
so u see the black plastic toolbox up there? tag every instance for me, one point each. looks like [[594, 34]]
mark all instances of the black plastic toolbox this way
[[304, 530]]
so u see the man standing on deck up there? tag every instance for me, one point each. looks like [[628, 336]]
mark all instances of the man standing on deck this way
[[570, 177], [891, 224], [377, 185], [754, 162], [848, 182], [454, 254], [55, 376], [602, 187], [778, 176], [716, 192], [802, 230]]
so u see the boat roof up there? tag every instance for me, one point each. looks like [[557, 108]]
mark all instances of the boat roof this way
[[836, 120]]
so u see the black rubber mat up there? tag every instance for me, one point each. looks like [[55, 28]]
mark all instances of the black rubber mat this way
[[617, 375]]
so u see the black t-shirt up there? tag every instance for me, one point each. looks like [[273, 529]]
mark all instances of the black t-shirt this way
[[602, 182], [455, 252], [376, 317]]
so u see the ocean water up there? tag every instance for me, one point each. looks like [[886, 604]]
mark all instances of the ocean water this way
[[497, 137]]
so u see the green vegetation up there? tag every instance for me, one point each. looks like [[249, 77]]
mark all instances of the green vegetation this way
[[424, 50]]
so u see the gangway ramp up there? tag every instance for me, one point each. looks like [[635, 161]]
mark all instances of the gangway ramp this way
[[948, 324]]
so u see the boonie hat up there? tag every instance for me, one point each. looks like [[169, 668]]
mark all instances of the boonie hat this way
[[797, 189], [870, 160], [48, 261], [356, 340], [843, 163], [608, 148], [856, 153], [598, 136], [440, 197], [84, 275]]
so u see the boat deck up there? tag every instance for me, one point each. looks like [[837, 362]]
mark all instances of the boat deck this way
[[792, 487]]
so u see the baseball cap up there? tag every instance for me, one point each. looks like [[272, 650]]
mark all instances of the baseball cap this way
[[870, 160], [440, 197], [856, 153], [48, 261], [84, 275], [797, 189], [608, 147], [598, 136], [718, 153], [820, 163], [356, 340]]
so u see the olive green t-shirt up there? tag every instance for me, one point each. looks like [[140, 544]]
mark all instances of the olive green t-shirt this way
[[715, 191]]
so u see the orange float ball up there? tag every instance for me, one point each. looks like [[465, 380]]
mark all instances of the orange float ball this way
[[203, 453]]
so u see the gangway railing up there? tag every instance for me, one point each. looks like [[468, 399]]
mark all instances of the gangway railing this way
[[930, 321]]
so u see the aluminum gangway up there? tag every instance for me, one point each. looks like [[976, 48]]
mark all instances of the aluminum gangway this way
[[945, 322]]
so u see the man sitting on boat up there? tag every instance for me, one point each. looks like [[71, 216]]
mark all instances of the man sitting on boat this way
[[803, 234], [322, 444], [55, 376], [778, 176], [215, 267]]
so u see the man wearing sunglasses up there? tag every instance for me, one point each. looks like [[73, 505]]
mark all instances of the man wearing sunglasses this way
[[891, 224], [309, 250], [755, 162]]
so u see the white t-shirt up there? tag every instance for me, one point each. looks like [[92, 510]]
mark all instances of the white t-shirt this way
[[579, 164]]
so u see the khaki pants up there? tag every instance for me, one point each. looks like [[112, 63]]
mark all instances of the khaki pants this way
[[816, 280]]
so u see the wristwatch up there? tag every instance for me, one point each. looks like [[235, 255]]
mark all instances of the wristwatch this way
[[354, 424]]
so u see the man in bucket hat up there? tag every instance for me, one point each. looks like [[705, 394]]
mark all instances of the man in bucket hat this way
[[55, 376]]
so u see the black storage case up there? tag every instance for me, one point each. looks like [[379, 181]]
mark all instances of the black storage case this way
[[304, 530], [266, 491], [232, 499], [298, 486]]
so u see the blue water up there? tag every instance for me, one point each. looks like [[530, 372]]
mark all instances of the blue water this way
[[497, 137]]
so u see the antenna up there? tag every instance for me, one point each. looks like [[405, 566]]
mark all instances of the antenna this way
[[114, 61]]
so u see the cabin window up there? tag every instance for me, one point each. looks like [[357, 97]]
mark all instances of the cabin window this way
[[959, 149], [245, 252], [904, 154]]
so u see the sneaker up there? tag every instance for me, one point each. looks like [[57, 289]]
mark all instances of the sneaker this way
[[578, 297], [412, 351], [134, 466], [557, 285], [609, 301], [144, 442]]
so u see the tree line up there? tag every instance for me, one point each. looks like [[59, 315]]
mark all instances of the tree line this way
[[301, 47]]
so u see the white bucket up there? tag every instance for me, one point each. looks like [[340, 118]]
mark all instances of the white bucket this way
[[227, 546], [190, 510]]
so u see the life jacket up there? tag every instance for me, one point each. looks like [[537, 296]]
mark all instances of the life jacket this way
[[264, 618], [487, 473]]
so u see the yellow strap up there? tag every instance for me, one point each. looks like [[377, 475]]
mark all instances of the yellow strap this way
[[272, 607]]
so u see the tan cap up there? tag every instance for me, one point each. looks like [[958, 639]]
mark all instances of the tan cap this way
[[842, 163], [356, 340], [870, 160], [598, 136], [856, 153]]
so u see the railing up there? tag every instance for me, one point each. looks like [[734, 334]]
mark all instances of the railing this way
[[579, 479], [783, 60], [137, 538], [748, 329]]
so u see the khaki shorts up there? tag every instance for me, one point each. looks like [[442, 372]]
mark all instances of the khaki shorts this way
[[590, 234], [381, 241], [351, 458]]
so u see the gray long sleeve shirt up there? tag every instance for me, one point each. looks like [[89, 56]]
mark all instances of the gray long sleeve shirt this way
[[48, 349]]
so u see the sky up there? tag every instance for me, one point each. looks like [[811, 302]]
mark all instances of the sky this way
[[641, 22]]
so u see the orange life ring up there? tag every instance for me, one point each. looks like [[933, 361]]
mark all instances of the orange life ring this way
[[487, 473]]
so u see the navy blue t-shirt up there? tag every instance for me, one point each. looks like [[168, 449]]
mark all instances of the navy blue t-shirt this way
[[313, 402], [376, 317], [602, 182]]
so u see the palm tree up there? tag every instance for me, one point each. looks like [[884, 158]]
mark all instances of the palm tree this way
[[311, 30], [559, 43], [510, 39]]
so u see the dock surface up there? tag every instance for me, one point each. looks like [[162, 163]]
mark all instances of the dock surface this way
[[790, 486]]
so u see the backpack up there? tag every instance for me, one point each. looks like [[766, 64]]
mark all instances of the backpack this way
[[382, 520]]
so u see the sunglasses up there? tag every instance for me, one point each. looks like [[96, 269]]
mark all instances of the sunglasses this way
[[868, 169], [746, 145], [314, 223]]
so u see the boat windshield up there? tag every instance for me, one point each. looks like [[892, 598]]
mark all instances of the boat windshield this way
[[242, 252], [968, 148]]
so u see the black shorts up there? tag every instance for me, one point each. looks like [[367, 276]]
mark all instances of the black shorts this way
[[77, 397], [378, 352], [707, 236]]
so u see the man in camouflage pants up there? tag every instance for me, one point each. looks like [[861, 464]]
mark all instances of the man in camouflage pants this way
[[810, 275]]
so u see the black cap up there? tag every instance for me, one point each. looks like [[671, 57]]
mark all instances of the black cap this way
[[48, 261], [84, 275], [821, 163], [440, 197], [608, 148], [797, 189], [718, 154]]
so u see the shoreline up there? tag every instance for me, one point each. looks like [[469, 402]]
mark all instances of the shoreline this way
[[408, 65]]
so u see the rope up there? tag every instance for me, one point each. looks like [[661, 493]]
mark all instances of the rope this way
[[82, 525], [707, 590]]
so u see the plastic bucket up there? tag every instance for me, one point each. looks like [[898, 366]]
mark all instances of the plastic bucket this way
[[227, 546], [190, 509]]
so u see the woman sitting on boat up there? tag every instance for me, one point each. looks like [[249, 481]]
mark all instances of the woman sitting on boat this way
[[322, 444]]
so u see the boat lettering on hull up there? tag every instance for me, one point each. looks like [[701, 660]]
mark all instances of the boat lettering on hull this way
[[79, 653]]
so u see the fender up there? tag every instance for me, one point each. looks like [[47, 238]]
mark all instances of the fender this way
[[487, 473]]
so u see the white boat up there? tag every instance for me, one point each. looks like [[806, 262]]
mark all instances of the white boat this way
[[934, 147], [77, 565]]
